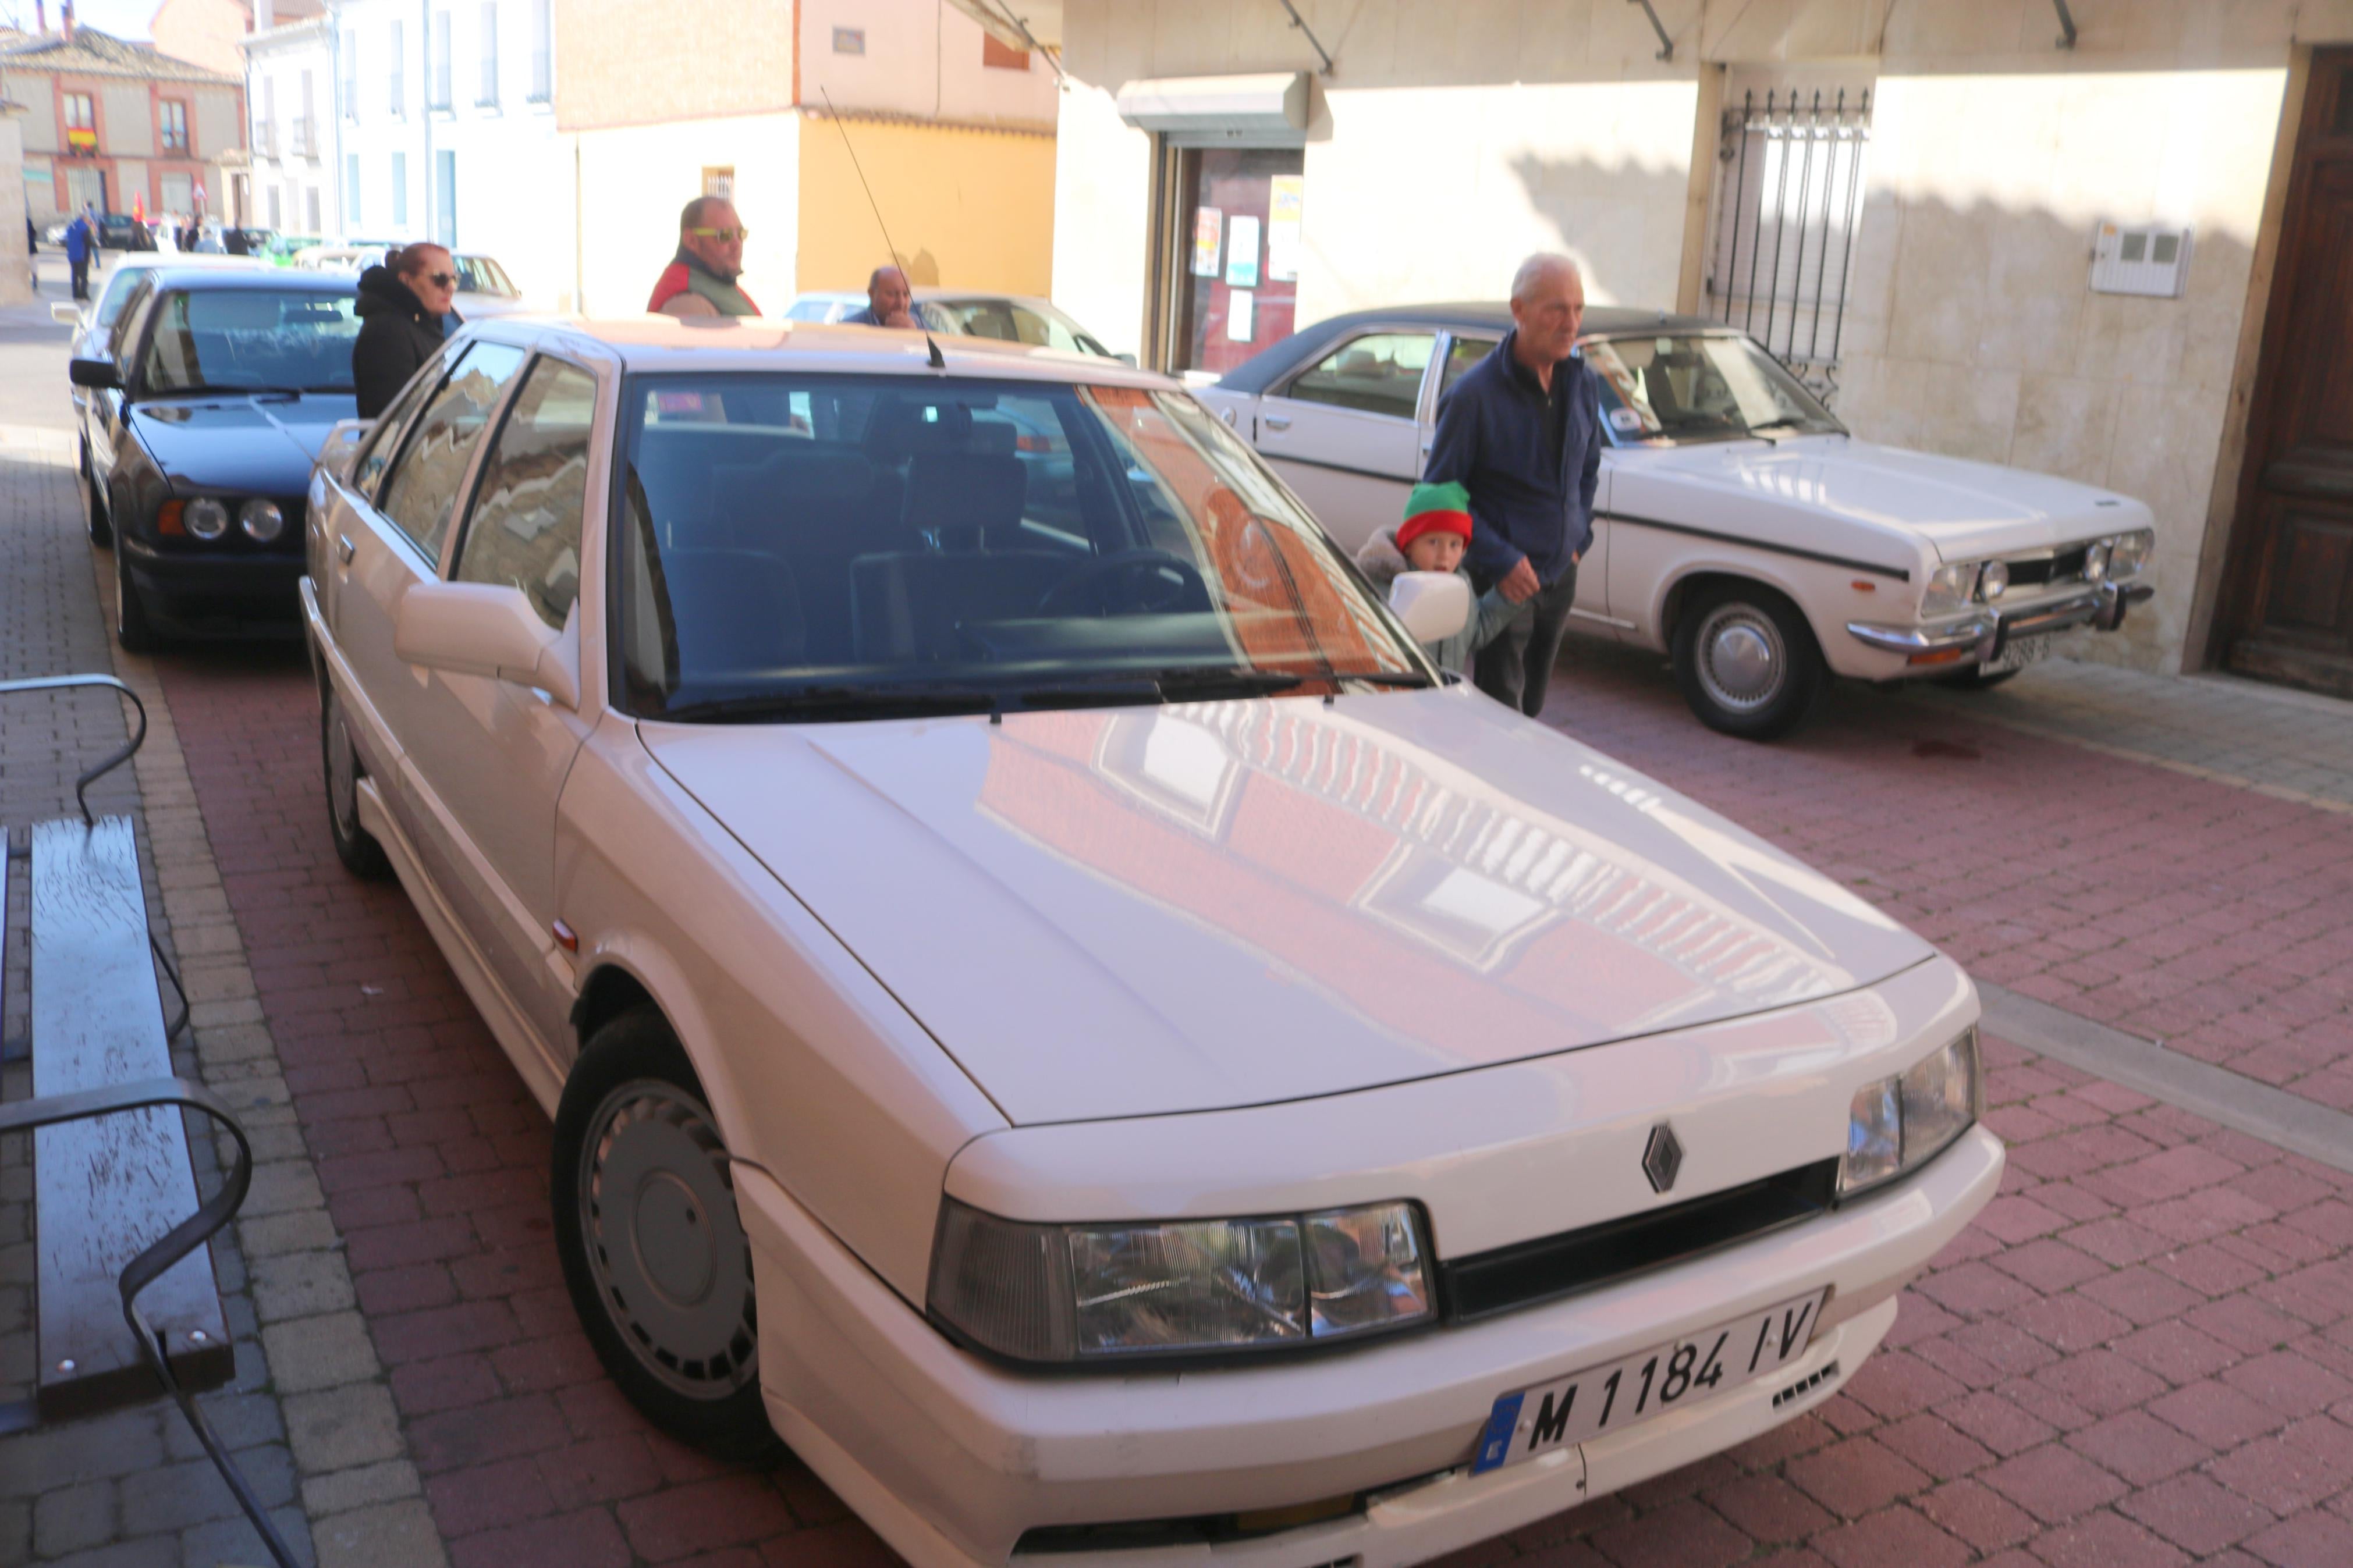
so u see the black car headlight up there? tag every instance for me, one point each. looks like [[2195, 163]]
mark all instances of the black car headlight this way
[[1898, 1124], [1120, 1291], [262, 519]]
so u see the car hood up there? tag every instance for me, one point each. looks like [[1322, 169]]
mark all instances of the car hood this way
[[262, 444], [1137, 912], [1963, 508]]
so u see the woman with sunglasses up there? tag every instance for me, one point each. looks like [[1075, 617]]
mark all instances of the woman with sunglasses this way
[[404, 312]]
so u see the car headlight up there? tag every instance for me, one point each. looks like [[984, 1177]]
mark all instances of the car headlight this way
[[1898, 1124], [1950, 587], [2095, 559], [2129, 552], [205, 518], [262, 519], [1115, 1291], [1993, 580]]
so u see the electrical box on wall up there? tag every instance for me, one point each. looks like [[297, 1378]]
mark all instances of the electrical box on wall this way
[[2150, 262]]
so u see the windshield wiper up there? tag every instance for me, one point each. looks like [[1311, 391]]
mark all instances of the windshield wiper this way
[[1411, 677], [1787, 422], [201, 391], [900, 700]]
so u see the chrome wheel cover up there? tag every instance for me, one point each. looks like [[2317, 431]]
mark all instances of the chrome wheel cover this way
[[343, 773], [1741, 661], [657, 1220]]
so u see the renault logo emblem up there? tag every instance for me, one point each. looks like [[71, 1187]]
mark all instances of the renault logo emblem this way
[[1662, 1158]]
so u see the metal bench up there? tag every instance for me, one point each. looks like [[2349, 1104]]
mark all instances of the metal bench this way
[[110, 1159]]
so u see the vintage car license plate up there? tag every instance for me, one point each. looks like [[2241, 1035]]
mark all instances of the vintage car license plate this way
[[1609, 1399], [2019, 652]]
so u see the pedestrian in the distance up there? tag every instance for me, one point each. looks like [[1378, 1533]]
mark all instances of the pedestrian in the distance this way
[[700, 280], [82, 239], [1521, 431], [401, 311], [889, 301]]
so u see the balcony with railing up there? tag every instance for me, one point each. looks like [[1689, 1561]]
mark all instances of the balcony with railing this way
[[306, 138], [265, 138], [543, 75]]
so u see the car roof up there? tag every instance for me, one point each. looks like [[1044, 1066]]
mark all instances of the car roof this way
[[1270, 366], [661, 345], [927, 292], [283, 279], [141, 260]]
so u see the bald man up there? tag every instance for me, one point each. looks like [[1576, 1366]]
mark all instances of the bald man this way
[[889, 302], [1522, 431]]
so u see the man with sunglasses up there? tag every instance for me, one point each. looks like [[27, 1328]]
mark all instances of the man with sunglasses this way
[[405, 312], [700, 278]]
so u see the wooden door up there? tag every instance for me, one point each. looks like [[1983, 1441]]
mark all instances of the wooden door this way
[[2289, 603]]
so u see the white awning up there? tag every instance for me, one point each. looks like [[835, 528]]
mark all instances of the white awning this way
[[1273, 106]]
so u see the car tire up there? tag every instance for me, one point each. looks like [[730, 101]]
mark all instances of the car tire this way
[[101, 532], [355, 847], [663, 1283], [131, 627], [1747, 661], [1975, 679]]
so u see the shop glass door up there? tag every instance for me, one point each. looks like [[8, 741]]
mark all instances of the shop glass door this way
[[1234, 266]]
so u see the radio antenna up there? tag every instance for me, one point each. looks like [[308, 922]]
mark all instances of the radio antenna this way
[[938, 361]]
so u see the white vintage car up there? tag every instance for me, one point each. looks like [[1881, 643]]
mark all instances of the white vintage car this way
[[1051, 1003], [1738, 528]]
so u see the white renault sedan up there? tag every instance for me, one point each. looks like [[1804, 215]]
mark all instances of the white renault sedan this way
[[1740, 529], [1054, 1007]]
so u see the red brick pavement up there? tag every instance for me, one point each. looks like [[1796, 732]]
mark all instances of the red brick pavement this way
[[2142, 1354]]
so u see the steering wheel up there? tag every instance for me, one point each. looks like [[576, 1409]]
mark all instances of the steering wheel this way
[[1131, 582]]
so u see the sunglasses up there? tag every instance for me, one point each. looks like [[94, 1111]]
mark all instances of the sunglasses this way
[[442, 279], [720, 233]]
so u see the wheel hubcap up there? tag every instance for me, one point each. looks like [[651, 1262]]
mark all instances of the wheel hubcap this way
[[343, 771], [672, 1266], [1742, 662]]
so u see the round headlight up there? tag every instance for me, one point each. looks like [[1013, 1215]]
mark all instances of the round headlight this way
[[205, 518], [2096, 559], [1993, 580], [262, 519]]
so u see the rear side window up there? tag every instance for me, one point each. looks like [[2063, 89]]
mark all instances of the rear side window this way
[[383, 440], [422, 491], [524, 530], [1379, 374], [1464, 353]]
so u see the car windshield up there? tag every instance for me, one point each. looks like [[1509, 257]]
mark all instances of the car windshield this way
[[1012, 321], [259, 338], [480, 275], [1695, 386], [838, 547], [821, 308]]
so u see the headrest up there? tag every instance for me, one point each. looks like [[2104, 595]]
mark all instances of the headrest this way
[[965, 499]]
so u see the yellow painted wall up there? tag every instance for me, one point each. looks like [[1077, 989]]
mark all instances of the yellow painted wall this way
[[967, 208]]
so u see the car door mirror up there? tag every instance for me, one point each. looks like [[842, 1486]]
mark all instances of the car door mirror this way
[[94, 372], [65, 313], [482, 628], [341, 450], [1434, 606]]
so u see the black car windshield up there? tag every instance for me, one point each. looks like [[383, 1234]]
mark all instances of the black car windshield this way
[[1695, 386], [837, 547], [216, 340]]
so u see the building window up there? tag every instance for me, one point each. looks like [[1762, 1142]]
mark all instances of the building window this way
[[850, 40], [440, 91], [310, 209], [444, 198], [543, 51], [265, 129], [1229, 251], [277, 211], [720, 183], [351, 74], [350, 192], [489, 93], [996, 57], [174, 125], [81, 122], [400, 192], [306, 129], [399, 97]]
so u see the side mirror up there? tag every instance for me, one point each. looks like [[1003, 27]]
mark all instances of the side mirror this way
[[1127, 360], [65, 313], [1434, 606], [94, 372], [479, 628], [342, 446]]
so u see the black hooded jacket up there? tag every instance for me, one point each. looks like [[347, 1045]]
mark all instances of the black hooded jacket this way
[[396, 335]]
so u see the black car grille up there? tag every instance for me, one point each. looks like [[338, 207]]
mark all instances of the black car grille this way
[[2063, 567], [1530, 1271]]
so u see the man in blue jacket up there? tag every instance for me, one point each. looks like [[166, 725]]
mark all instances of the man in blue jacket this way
[[82, 239], [1522, 431]]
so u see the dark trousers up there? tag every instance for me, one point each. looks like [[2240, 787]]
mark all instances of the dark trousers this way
[[81, 276], [1516, 669]]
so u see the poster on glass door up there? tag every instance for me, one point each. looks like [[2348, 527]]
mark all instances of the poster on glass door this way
[[1287, 206], [1208, 225], [1242, 253]]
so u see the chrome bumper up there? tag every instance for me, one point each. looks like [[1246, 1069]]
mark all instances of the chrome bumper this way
[[2102, 608]]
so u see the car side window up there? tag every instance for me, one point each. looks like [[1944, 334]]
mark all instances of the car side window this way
[[524, 529], [127, 314], [384, 439], [1461, 356], [421, 492], [1379, 373]]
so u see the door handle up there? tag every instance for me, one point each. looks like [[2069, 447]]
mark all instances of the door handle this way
[[344, 547], [1277, 421]]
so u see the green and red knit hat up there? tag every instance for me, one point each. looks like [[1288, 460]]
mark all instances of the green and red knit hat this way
[[1435, 508]]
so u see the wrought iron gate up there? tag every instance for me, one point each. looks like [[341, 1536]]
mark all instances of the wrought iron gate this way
[[1788, 202]]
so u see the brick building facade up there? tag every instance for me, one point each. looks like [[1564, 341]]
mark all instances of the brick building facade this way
[[120, 125]]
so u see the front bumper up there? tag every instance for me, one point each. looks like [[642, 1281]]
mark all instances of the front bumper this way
[[1981, 638], [236, 583], [952, 1459]]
